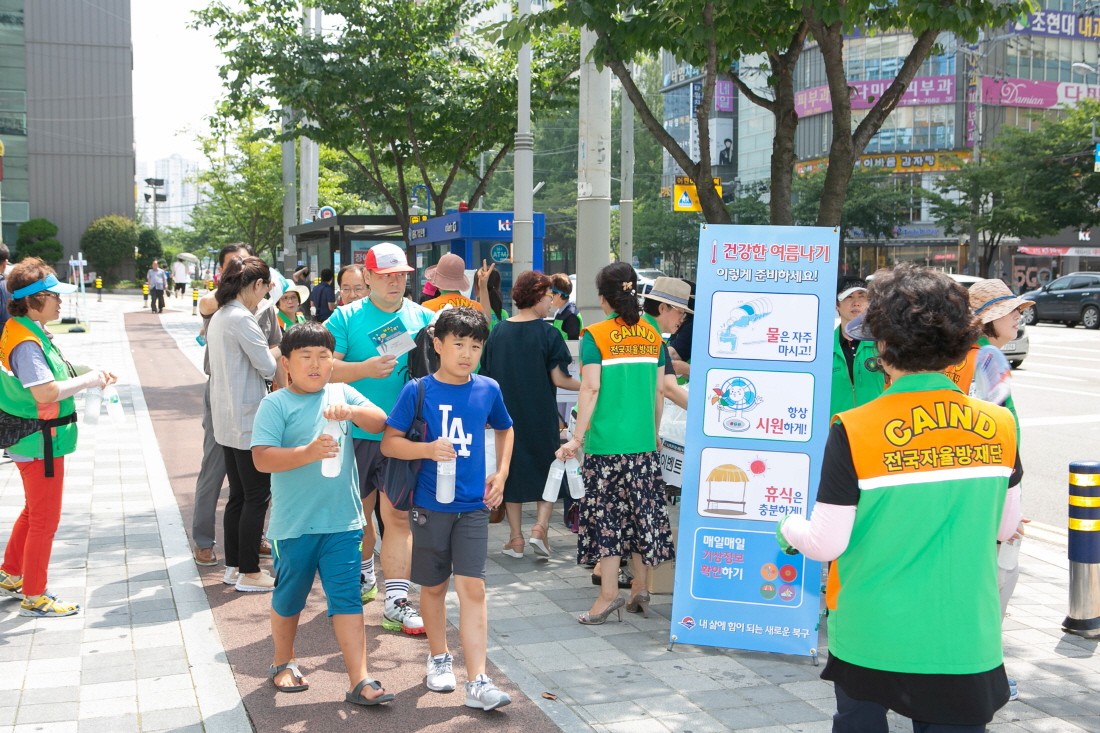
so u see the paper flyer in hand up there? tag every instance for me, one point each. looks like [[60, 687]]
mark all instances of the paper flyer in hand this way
[[392, 338]]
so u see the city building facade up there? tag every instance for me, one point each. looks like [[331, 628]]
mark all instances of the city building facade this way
[[66, 115], [961, 97]]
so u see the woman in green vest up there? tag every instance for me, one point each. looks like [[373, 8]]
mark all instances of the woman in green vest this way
[[618, 411], [37, 383], [916, 488], [289, 304], [567, 319], [857, 374]]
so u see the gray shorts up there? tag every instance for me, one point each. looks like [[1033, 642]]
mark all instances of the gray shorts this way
[[371, 465], [445, 543]]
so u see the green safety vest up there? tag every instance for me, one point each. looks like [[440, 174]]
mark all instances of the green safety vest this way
[[557, 324], [869, 381], [19, 401]]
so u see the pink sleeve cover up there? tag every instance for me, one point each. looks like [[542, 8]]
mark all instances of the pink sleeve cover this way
[[825, 535]]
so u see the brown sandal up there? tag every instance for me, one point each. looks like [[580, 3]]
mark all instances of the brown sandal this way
[[509, 548], [539, 543]]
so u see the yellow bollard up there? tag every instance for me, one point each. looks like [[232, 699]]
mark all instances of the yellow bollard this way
[[195, 302], [99, 288], [210, 285], [145, 293]]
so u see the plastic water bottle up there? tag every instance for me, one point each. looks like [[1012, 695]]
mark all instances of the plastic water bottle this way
[[93, 399], [573, 477], [331, 467], [1008, 555], [553, 480], [114, 404], [445, 480]]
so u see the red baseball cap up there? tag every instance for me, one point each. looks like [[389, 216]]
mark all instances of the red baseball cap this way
[[386, 258]]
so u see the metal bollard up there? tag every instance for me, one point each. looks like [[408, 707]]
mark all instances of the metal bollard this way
[[195, 302], [1084, 549], [145, 293], [99, 288]]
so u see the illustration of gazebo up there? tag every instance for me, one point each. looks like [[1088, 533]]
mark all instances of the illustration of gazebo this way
[[722, 487]]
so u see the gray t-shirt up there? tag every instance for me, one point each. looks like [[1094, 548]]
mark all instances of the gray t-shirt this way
[[30, 367]]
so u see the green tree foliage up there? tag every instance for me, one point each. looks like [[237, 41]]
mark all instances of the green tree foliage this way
[[149, 249], [1027, 184], [408, 91], [36, 238], [713, 37], [108, 243], [671, 235], [874, 207]]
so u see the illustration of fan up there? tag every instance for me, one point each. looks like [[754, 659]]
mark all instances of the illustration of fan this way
[[726, 477], [737, 395]]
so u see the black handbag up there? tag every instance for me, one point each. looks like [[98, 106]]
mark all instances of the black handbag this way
[[400, 481]]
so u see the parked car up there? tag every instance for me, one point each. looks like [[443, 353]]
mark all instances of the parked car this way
[[646, 278], [1071, 299]]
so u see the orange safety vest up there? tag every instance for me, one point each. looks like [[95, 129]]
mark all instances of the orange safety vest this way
[[458, 300]]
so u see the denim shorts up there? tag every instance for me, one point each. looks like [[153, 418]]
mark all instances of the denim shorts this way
[[335, 556], [445, 543]]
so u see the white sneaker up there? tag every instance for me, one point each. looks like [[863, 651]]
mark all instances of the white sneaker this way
[[231, 575], [262, 584], [482, 694], [441, 676], [400, 615]]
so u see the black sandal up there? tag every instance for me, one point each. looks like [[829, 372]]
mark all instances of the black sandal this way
[[356, 698], [293, 667]]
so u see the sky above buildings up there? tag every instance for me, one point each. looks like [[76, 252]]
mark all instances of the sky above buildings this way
[[176, 80]]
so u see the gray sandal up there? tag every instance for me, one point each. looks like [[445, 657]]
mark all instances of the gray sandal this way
[[293, 667], [356, 698]]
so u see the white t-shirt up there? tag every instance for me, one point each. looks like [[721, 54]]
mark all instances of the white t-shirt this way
[[180, 273]]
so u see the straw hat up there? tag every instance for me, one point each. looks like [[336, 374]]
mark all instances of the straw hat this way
[[449, 273], [671, 290], [991, 299]]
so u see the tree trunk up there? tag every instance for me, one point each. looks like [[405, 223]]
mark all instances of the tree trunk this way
[[783, 153], [841, 151]]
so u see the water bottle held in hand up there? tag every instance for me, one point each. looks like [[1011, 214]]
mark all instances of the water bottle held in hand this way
[[93, 399], [553, 481], [445, 481], [573, 478], [114, 404], [337, 430]]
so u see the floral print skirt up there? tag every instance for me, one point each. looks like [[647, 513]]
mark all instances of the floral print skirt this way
[[623, 509]]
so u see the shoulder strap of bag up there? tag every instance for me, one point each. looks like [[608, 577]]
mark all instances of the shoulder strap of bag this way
[[419, 399]]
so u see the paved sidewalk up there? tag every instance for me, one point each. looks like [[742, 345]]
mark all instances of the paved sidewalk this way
[[144, 653], [147, 653]]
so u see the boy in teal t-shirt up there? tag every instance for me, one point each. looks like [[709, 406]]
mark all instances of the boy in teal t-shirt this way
[[316, 521]]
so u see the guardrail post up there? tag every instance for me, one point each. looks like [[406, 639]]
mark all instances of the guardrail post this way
[[1084, 550]]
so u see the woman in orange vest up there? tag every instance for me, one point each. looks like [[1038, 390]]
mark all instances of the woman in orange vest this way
[[623, 509], [916, 488]]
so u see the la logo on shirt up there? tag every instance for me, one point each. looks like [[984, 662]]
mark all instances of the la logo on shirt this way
[[453, 431]]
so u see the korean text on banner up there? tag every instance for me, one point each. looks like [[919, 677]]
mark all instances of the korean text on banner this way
[[758, 416]]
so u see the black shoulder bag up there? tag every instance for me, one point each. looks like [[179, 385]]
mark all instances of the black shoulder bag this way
[[401, 474]]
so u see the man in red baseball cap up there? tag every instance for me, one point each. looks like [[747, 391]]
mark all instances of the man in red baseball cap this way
[[379, 376]]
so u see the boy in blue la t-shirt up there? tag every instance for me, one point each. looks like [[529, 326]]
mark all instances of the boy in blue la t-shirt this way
[[453, 537], [316, 522]]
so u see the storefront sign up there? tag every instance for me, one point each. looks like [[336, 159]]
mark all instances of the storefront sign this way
[[922, 90], [1035, 94], [758, 416], [896, 162], [1058, 24], [1059, 251]]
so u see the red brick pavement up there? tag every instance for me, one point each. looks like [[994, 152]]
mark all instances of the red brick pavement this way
[[173, 390]]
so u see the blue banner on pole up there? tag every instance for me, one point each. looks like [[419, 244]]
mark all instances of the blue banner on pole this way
[[758, 417]]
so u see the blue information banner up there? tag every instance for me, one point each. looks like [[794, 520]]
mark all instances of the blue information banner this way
[[758, 417]]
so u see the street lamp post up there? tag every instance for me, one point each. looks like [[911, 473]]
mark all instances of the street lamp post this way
[[155, 197]]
